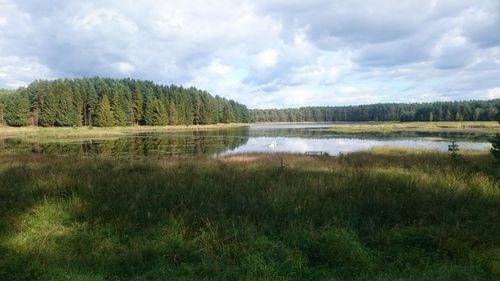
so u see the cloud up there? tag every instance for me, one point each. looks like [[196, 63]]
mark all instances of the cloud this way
[[267, 58], [14, 71], [494, 93], [453, 51], [264, 53]]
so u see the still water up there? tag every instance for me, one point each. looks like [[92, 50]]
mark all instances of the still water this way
[[303, 138]]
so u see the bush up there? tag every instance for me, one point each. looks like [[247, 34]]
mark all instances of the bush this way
[[495, 146]]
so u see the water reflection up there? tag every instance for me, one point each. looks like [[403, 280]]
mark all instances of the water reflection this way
[[268, 139], [335, 146], [139, 146]]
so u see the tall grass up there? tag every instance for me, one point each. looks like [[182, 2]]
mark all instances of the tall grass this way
[[442, 126], [65, 133], [379, 215]]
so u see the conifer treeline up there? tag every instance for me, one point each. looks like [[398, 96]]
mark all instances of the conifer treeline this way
[[436, 111], [111, 102], [107, 102]]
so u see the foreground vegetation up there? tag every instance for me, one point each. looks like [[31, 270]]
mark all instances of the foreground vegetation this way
[[60, 134], [389, 127], [379, 215]]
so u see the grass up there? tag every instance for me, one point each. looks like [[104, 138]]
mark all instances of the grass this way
[[65, 133], [388, 127], [380, 215]]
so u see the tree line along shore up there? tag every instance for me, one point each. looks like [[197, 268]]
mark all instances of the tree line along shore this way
[[105, 102]]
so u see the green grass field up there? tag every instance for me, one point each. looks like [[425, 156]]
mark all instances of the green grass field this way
[[379, 215]]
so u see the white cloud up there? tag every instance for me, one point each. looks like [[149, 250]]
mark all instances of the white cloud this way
[[15, 71], [264, 53], [493, 93], [267, 58], [453, 51], [124, 67], [219, 69]]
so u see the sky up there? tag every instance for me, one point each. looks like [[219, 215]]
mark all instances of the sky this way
[[263, 53]]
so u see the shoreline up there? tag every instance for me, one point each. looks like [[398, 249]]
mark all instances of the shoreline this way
[[103, 132], [64, 133], [445, 127]]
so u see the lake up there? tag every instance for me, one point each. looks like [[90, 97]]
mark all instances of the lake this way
[[293, 138]]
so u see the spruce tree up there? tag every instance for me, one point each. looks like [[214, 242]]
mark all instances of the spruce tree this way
[[137, 107], [118, 113], [67, 114], [149, 111], [188, 111], [172, 114], [17, 108], [162, 114], [197, 110], [104, 115], [228, 116], [155, 113], [180, 109], [48, 110], [78, 103], [2, 110]]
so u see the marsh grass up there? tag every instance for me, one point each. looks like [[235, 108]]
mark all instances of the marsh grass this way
[[67, 133], [385, 214], [388, 127]]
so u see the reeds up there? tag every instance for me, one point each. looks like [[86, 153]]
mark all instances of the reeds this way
[[380, 215]]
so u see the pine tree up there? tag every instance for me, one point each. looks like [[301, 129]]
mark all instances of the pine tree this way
[[104, 115]]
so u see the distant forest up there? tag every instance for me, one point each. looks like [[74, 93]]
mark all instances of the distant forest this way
[[435, 111], [106, 102]]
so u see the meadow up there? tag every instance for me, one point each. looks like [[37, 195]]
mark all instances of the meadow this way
[[384, 214]]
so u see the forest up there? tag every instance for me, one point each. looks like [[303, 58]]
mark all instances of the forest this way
[[421, 112], [104, 102]]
